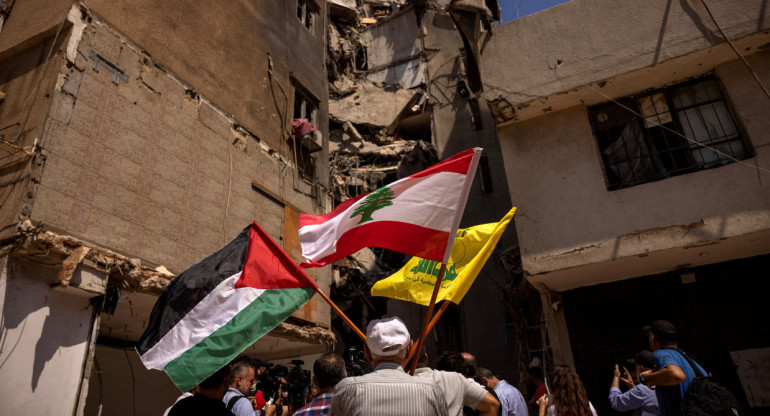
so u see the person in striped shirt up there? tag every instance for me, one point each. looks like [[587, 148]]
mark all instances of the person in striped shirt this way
[[328, 370], [389, 390]]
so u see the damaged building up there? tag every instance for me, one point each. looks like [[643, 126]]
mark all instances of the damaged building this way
[[405, 91], [635, 140], [136, 138]]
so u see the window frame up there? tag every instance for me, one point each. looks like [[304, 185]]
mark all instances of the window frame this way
[[651, 136], [308, 14]]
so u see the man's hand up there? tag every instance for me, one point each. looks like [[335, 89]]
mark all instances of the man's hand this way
[[627, 378], [616, 378], [542, 402]]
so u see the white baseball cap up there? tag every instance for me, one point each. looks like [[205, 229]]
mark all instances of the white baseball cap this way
[[386, 337]]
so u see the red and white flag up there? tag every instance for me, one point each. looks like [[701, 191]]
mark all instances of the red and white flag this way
[[415, 215]]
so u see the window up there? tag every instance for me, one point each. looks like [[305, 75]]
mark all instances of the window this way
[[305, 106], [306, 13], [637, 150]]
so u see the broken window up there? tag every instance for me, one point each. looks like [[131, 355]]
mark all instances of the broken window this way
[[306, 13], [305, 107], [646, 143]]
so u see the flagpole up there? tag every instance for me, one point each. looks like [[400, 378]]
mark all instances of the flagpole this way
[[432, 323], [341, 314], [428, 316]]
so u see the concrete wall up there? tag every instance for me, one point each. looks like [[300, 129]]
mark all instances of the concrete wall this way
[[22, 116], [533, 63], [392, 40], [484, 328], [147, 169], [221, 49], [125, 387], [44, 336], [572, 231]]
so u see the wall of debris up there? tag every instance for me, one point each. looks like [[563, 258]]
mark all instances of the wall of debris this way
[[403, 94]]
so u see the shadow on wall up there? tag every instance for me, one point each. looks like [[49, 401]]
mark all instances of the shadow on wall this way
[[33, 313]]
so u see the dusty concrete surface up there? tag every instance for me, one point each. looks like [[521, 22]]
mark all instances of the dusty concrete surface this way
[[130, 159], [561, 49], [572, 230]]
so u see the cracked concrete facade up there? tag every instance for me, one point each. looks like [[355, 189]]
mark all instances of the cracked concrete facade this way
[[682, 246], [139, 138]]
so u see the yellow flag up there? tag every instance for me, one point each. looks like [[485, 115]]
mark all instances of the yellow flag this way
[[471, 249]]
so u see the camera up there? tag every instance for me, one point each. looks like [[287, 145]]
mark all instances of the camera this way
[[294, 382], [356, 363]]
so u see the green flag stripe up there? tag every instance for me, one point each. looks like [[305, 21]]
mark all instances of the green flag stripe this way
[[258, 318]]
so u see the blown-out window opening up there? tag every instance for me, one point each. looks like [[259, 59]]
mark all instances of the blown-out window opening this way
[[672, 131]]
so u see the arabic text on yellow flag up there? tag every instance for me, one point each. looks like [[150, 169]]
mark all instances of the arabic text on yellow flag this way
[[471, 249]]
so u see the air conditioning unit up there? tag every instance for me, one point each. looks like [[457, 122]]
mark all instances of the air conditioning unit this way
[[313, 141]]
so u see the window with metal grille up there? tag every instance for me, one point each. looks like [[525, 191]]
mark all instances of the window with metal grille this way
[[664, 133]]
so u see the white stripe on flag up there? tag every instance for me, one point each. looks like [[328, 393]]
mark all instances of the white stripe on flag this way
[[428, 202], [211, 313]]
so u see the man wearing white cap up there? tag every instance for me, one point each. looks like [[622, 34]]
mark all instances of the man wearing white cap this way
[[389, 390]]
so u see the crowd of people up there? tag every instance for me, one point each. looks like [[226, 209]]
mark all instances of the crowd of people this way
[[655, 385]]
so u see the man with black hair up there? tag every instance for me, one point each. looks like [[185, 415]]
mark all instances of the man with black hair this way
[[458, 390], [328, 370], [454, 361], [207, 401], [510, 397], [242, 379], [672, 374]]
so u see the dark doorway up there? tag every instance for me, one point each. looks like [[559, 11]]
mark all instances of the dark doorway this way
[[718, 310]]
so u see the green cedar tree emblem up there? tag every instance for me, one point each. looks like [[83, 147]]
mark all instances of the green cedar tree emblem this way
[[374, 201]]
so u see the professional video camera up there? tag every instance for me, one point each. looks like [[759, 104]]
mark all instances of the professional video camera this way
[[298, 384], [294, 382], [355, 362]]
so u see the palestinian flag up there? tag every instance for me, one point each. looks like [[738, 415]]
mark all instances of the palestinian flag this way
[[217, 308], [415, 215]]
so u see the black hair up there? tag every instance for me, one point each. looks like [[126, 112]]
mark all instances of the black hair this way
[[536, 372], [454, 361], [329, 369], [217, 379]]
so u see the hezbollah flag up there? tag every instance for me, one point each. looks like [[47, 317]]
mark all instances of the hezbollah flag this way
[[215, 309], [472, 247]]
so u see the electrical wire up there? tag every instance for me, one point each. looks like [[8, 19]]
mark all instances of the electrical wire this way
[[543, 329], [42, 72], [657, 124], [133, 383], [729, 42]]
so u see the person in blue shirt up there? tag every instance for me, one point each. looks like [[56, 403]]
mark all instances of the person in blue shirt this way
[[639, 398], [672, 374]]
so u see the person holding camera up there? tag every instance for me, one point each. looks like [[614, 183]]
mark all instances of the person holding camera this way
[[389, 390], [639, 398], [328, 370], [672, 374]]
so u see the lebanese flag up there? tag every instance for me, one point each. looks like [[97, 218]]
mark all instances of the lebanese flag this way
[[415, 215], [215, 309]]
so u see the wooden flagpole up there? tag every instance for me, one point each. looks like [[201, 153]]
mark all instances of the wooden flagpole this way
[[428, 316], [341, 314], [432, 323]]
